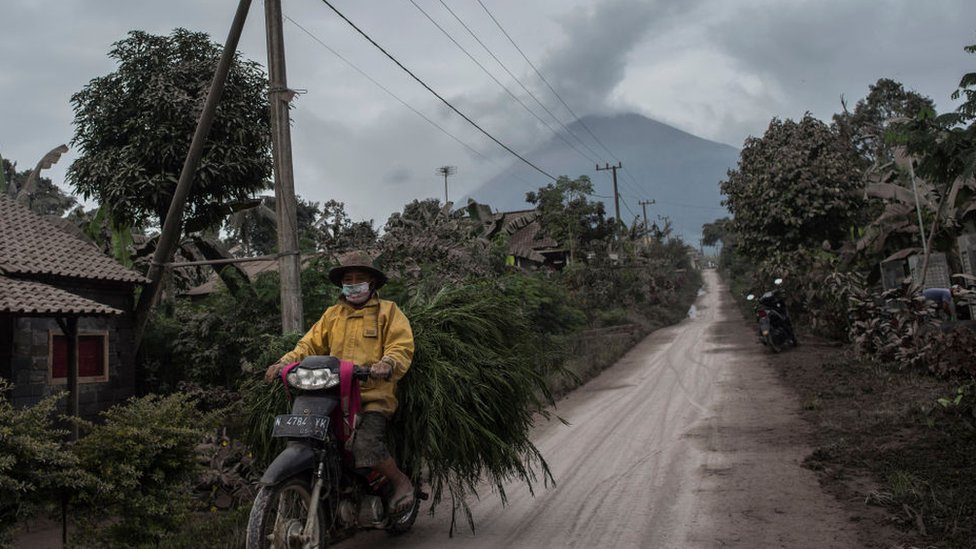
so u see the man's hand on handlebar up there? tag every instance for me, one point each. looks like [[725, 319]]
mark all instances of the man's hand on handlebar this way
[[381, 370], [273, 371]]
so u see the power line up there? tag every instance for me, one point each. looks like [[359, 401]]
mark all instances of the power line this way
[[543, 78], [401, 101], [490, 75], [627, 175], [522, 85], [385, 89], [437, 95]]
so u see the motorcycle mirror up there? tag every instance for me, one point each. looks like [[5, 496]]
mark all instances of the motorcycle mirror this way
[[750, 297], [778, 281]]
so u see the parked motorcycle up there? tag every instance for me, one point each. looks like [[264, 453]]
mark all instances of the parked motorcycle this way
[[311, 494], [775, 328]]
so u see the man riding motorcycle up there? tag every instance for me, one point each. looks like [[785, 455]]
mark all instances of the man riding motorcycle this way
[[364, 329]]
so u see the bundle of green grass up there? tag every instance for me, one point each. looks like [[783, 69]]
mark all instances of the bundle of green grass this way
[[467, 404]]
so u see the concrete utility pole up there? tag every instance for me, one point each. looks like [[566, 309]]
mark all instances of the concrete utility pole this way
[[644, 204], [446, 171], [289, 261], [616, 195]]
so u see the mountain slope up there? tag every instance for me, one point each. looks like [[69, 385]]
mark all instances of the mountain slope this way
[[680, 171]]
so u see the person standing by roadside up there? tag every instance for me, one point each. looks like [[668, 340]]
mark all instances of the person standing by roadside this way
[[944, 299]]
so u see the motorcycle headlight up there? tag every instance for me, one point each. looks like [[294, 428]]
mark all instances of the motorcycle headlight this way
[[313, 380]]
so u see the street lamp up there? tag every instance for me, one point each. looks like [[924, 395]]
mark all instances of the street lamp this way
[[446, 171]]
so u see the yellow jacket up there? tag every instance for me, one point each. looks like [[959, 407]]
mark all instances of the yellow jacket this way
[[363, 336]]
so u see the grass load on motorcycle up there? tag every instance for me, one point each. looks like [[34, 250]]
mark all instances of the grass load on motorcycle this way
[[453, 414]]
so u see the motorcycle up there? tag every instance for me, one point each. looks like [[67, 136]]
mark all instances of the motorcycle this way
[[311, 494], [775, 328]]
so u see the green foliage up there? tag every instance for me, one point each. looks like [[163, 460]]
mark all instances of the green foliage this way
[[636, 289], [34, 467], [45, 198], [324, 228], [947, 143], [815, 287], [210, 342], [716, 232], [869, 125], [549, 308], [133, 128], [261, 402], [961, 404], [143, 456], [569, 217], [467, 405], [798, 185]]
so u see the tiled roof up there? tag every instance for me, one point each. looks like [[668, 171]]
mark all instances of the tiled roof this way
[[251, 268], [528, 239], [28, 297], [30, 245]]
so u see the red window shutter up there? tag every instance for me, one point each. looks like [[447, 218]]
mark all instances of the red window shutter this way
[[91, 356], [59, 357]]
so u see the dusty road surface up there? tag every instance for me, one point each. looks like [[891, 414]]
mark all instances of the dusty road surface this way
[[687, 442]]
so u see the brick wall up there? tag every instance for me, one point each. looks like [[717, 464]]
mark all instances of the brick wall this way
[[29, 360]]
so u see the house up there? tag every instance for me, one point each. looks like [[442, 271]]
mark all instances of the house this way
[[528, 245], [50, 282]]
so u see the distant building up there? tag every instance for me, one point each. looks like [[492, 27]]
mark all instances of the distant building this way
[[528, 245], [48, 278]]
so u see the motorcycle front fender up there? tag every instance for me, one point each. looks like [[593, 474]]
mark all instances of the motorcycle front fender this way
[[295, 458]]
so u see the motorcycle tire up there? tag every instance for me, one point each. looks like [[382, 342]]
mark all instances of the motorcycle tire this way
[[278, 517], [774, 343]]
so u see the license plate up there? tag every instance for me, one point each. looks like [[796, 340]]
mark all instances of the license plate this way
[[316, 427]]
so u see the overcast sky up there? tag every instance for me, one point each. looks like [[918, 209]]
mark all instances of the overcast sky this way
[[719, 69]]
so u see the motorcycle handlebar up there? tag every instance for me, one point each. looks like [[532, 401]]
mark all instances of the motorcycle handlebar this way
[[361, 373]]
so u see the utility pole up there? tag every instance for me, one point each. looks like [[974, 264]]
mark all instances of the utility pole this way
[[616, 195], [644, 204], [289, 261], [446, 171]]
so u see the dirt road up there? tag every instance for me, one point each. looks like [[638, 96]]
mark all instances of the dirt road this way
[[687, 442]]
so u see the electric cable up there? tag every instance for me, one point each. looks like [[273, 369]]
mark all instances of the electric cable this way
[[543, 78], [495, 79], [560, 98], [522, 85], [384, 88], [401, 101], [437, 95]]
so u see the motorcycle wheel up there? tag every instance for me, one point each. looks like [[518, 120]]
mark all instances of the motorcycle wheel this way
[[278, 517], [774, 343]]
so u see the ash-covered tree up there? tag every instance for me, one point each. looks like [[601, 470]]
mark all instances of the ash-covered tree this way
[[133, 128], [868, 125], [45, 198], [428, 244], [569, 217], [717, 232], [797, 186], [325, 228]]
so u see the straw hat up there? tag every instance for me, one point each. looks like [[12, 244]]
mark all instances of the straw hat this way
[[360, 261]]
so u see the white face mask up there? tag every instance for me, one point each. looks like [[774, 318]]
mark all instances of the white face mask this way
[[356, 293]]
